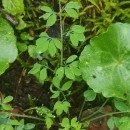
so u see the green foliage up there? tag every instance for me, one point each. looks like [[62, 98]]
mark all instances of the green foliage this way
[[76, 34], [121, 106], [54, 42], [14, 7], [3, 103], [44, 111], [50, 15], [61, 107], [106, 60], [72, 9], [73, 124], [46, 43], [113, 122], [89, 95], [6, 122], [8, 48]]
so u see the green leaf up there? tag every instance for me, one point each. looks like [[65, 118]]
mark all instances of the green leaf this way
[[105, 63], [58, 108], [73, 122], [49, 122], [42, 44], [78, 29], [14, 7], [80, 36], [66, 106], [7, 99], [90, 95], [44, 34], [6, 107], [46, 16], [125, 123], [26, 36], [66, 85], [3, 66], [52, 48], [76, 71], [15, 122], [21, 24], [71, 58], [9, 127], [60, 72], [8, 49], [43, 74], [121, 106], [58, 43], [32, 51], [111, 123], [71, 12], [61, 106], [51, 20], [56, 82], [69, 73], [36, 68], [22, 47], [74, 39], [55, 94], [65, 123], [29, 126], [46, 9], [73, 5]]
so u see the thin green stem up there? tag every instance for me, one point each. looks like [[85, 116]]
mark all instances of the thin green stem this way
[[81, 110], [97, 110], [48, 68], [26, 116], [61, 31], [107, 114]]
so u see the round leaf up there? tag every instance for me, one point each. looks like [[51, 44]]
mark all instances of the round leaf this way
[[90, 95], [105, 63]]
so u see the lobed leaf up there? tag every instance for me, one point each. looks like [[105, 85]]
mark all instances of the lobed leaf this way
[[105, 63]]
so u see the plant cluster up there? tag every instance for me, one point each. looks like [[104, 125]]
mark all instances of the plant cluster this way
[[87, 55]]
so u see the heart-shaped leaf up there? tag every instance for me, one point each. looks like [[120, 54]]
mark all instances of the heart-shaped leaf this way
[[105, 63]]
